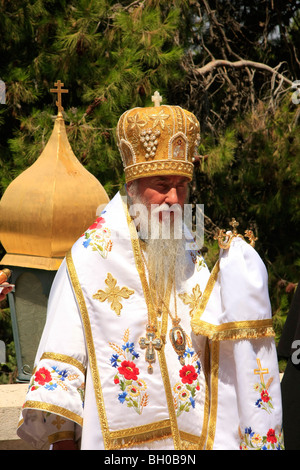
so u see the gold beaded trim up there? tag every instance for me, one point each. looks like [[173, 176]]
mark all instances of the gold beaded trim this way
[[159, 167]]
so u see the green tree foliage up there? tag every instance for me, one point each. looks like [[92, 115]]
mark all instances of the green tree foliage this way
[[110, 56]]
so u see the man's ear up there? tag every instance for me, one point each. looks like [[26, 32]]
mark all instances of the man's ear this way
[[128, 187]]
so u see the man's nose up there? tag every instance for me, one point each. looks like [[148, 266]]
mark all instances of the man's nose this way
[[172, 196]]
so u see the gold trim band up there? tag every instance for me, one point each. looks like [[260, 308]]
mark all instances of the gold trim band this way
[[159, 167], [61, 436], [214, 383], [234, 330], [207, 292], [64, 358], [90, 348], [55, 409]]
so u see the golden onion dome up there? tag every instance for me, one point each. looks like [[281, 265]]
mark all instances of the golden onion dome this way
[[48, 206]]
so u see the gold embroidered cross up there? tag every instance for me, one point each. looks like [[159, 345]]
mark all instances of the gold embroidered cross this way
[[113, 294], [150, 343], [58, 422], [260, 371], [192, 300], [156, 98], [59, 91]]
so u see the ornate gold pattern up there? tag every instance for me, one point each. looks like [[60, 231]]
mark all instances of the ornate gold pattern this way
[[113, 294], [157, 168], [174, 139], [235, 330], [150, 343], [58, 422], [193, 299], [61, 436], [38, 405], [225, 238], [90, 348], [143, 433], [260, 371], [206, 294], [214, 382]]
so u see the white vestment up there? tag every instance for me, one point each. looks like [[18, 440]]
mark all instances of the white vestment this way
[[91, 378]]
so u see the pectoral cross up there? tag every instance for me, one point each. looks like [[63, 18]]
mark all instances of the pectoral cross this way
[[150, 343], [156, 98], [59, 91], [260, 371]]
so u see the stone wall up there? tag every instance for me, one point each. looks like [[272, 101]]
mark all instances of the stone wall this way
[[11, 400]]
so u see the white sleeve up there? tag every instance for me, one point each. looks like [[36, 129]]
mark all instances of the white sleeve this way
[[58, 380]]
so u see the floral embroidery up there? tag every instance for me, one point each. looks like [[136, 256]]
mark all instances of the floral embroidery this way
[[185, 391], [252, 440], [98, 238], [264, 402], [132, 387], [198, 260], [51, 379], [113, 294]]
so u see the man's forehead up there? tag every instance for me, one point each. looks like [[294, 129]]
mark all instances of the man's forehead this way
[[167, 179]]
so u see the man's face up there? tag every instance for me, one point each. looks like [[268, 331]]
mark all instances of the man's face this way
[[163, 190]]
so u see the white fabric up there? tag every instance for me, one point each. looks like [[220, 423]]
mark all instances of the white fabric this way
[[241, 292], [145, 404]]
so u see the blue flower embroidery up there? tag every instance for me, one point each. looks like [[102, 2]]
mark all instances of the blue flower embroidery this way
[[63, 374], [114, 360], [122, 397], [51, 386], [86, 242], [192, 402], [258, 403], [130, 348]]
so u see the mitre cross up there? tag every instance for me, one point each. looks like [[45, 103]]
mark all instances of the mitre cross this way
[[156, 98]]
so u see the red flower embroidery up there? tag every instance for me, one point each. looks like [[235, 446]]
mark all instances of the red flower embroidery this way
[[116, 380], [98, 223], [42, 376], [129, 370], [271, 436], [265, 396], [188, 374]]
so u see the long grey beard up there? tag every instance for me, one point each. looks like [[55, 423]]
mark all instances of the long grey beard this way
[[165, 256]]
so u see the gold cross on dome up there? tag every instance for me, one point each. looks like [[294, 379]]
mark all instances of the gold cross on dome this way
[[260, 371], [59, 91], [156, 98]]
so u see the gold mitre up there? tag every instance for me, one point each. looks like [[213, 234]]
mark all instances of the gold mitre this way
[[159, 140]]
